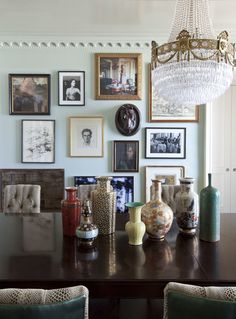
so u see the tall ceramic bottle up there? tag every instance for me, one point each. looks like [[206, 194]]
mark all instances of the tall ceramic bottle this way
[[157, 215], [135, 228], [104, 206], [209, 213], [71, 208], [187, 207]]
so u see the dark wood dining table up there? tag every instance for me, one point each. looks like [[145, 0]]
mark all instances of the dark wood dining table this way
[[34, 253]]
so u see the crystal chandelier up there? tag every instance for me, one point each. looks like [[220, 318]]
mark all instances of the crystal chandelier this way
[[193, 67]]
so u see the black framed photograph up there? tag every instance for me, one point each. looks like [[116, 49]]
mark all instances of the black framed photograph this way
[[126, 156], [38, 141], [165, 142], [122, 185], [29, 94], [71, 88]]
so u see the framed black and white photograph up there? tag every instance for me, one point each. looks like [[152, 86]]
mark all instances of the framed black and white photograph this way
[[165, 142], [122, 185], [38, 141], [86, 136], [71, 88], [126, 156], [29, 94]]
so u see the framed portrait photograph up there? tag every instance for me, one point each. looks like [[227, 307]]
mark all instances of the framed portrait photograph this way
[[122, 185], [165, 142], [118, 76], [161, 110], [86, 136], [71, 88], [126, 156], [29, 94], [38, 141], [169, 175]]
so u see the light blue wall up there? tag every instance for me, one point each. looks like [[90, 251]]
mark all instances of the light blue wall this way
[[53, 59]]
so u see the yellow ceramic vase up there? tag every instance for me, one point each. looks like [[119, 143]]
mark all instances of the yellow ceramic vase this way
[[135, 228]]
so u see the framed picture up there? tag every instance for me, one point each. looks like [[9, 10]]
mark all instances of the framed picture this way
[[165, 142], [71, 88], [127, 119], [29, 94], [126, 156], [38, 141], [169, 175], [161, 110], [86, 136], [123, 185], [118, 76]]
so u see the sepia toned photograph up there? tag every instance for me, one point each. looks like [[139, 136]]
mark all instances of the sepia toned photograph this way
[[126, 156], [29, 94], [71, 88], [166, 142], [118, 76], [86, 136], [38, 141]]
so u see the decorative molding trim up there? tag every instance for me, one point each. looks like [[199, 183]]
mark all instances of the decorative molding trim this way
[[73, 44]]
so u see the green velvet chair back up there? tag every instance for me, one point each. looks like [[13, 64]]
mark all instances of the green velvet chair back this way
[[187, 301], [69, 303]]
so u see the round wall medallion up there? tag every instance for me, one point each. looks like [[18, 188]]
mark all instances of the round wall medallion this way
[[128, 119]]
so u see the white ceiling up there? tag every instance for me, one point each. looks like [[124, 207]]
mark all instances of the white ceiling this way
[[131, 18]]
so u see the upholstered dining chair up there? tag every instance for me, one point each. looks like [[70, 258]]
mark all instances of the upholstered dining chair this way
[[168, 195], [21, 198], [196, 302], [69, 303]]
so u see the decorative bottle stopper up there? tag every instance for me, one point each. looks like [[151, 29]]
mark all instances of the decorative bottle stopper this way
[[87, 231]]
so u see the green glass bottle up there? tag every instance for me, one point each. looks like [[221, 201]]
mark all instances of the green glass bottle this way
[[209, 213]]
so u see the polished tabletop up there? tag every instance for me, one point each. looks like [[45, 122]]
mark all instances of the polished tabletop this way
[[34, 253]]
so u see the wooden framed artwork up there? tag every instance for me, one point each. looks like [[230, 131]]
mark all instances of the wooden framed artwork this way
[[71, 88], [86, 136], [38, 141], [169, 175], [29, 94], [161, 110], [118, 76], [165, 142], [126, 156]]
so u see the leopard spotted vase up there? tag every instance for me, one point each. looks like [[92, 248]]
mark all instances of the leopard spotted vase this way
[[104, 206]]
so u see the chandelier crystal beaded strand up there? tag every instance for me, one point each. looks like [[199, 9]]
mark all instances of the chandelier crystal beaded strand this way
[[193, 67]]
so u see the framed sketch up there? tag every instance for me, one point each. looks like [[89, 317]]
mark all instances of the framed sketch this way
[[118, 76], [86, 136], [123, 185], [29, 94], [169, 175], [126, 156], [71, 88], [38, 141], [165, 142], [161, 110]]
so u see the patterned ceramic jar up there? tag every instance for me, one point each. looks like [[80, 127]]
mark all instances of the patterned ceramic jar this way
[[187, 207], [156, 215]]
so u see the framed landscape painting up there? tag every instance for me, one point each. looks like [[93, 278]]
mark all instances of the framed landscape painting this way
[[38, 141], [118, 76], [29, 94], [161, 110]]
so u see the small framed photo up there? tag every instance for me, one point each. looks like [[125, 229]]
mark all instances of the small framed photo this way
[[126, 156], [38, 141], [86, 136], [71, 88], [169, 175], [29, 94], [118, 76], [165, 142], [161, 110]]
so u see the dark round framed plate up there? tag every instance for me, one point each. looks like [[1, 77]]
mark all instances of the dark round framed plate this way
[[128, 119]]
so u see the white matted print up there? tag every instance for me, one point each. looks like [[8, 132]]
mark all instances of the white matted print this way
[[169, 175], [165, 142], [71, 88], [38, 141], [86, 136]]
